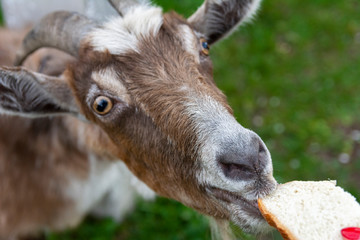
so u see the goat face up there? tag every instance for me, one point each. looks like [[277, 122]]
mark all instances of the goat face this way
[[146, 80]]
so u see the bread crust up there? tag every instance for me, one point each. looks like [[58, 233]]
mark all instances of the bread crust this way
[[273, 221]]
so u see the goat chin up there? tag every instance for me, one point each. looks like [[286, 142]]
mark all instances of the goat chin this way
[[225, 230]]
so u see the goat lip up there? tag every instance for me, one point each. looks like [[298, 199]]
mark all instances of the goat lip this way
[[250, 206]]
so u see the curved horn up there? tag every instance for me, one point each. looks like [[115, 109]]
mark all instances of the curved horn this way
[[123, 6], [62, 30]]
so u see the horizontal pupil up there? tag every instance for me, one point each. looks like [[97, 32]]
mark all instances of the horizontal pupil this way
[[101, 106]]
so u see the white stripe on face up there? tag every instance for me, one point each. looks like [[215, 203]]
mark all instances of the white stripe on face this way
[[121, 35], [190, 41], [107, 79]]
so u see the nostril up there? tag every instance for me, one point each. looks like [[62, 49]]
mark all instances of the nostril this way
[[244, 161], [237, 171], [236, 168]]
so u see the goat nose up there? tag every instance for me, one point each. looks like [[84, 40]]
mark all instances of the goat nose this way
[[244, 161]]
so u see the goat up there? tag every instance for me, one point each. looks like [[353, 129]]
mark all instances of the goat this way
[[135, 112], [46, 60]]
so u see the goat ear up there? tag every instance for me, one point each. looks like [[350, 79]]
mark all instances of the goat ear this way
[[218, 18], [30, 94]]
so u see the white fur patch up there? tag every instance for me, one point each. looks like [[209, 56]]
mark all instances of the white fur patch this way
[[107, 79], [110, 189], [190, 41], [121, 35]]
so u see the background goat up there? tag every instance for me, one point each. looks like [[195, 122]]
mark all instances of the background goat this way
[[142, 91]]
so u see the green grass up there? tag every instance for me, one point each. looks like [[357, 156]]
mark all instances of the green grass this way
[[1, 15], [161, 219], [293, 76]]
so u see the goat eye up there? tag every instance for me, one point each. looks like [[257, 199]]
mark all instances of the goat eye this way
[[205, 49], [102, 105]]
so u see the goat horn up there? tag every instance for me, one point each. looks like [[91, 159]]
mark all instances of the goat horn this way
[[123, 6], [62, 30]]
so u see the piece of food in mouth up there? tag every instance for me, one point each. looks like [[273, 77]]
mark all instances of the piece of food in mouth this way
[[309, 210]]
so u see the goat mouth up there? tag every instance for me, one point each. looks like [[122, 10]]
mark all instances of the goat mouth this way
[[249, 206]]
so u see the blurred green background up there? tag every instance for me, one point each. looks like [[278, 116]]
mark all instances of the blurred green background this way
[[1, 17], [292, 76]]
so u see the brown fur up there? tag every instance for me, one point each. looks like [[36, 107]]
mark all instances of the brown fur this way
[[149, 86], [39, 165], [39, 187], [152, 132]]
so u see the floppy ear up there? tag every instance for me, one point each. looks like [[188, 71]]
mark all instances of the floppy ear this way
[[31, 94], [218, 18]]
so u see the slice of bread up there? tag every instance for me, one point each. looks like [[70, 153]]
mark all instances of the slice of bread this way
[[310, 210]]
